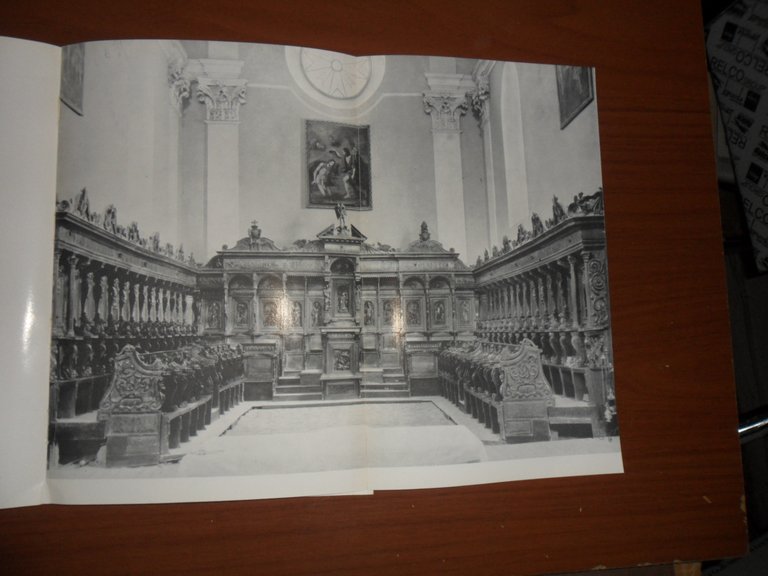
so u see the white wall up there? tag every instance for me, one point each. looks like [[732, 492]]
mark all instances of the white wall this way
[[124, 148], [131, 149]]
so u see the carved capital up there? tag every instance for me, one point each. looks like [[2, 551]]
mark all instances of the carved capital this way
[[446, 110], [478, 100], [178, 83], [222, 98]]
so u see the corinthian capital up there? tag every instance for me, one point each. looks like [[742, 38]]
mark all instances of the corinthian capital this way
[[446, 110], [222, 98], [446, 100]]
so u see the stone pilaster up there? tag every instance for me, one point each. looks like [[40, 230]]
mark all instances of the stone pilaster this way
[[446, 103], [223, 92]]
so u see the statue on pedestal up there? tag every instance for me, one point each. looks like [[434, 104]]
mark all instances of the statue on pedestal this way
[[341, 214]]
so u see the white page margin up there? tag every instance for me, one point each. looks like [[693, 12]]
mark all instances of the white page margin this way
[[29, 119]]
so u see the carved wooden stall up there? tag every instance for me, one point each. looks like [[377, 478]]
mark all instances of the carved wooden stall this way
[[158, 400], [550, 286], [337, 317], [502, 386], [113, 289]]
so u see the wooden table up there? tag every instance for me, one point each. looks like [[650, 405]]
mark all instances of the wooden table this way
[[681, 495]]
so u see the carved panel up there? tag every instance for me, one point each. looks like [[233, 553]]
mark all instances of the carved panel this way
[[136, 387], [414, 313], [270, 313], [440, 312]]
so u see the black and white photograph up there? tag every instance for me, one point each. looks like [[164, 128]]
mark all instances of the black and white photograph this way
[[323, 273]]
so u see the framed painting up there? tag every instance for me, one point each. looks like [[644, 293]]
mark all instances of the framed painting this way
[[338, 165], [574, 91], [72, 68]]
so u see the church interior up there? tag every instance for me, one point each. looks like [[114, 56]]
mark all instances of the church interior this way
[[244, 227]]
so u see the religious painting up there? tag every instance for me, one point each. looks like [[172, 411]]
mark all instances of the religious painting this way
[[574, 91], [338, 165], [72, 76]]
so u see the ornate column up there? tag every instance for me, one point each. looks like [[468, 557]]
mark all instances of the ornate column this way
[[59, 302], [225, 307], [102, 307], [596, 288], [136, 309], [153, 304], [222, 91], [189, 315], [114, 299], [125, 302], [160, 306], [73, 315], [144, 316], [534, 301], [255, 303], [446, 103], [574, 296]]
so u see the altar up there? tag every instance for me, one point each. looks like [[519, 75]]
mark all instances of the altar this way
[[335, 317]]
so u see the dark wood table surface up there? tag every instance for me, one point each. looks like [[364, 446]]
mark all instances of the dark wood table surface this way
[[681, 495]]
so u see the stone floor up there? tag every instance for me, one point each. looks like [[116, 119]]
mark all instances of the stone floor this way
[[289, 437]]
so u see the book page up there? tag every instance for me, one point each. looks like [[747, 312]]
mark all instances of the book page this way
[[287, 272], [28, 141]]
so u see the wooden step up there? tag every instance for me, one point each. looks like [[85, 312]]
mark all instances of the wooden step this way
[[297, 396], [376, 393]]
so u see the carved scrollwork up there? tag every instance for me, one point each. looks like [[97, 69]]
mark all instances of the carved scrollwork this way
[[136, 387], [598, 290]]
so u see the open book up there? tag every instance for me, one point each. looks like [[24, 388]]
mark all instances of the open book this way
[[249, 271]]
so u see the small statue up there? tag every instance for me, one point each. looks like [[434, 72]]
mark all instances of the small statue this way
[[180, 253], [424, 235], [82, 205], [479, 261], [506, 244], [522, 234], [536, 225], [110, 219], [486, 257], [154, 242], [133, 232], [341, 214], [254, 233], [495, 251]]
